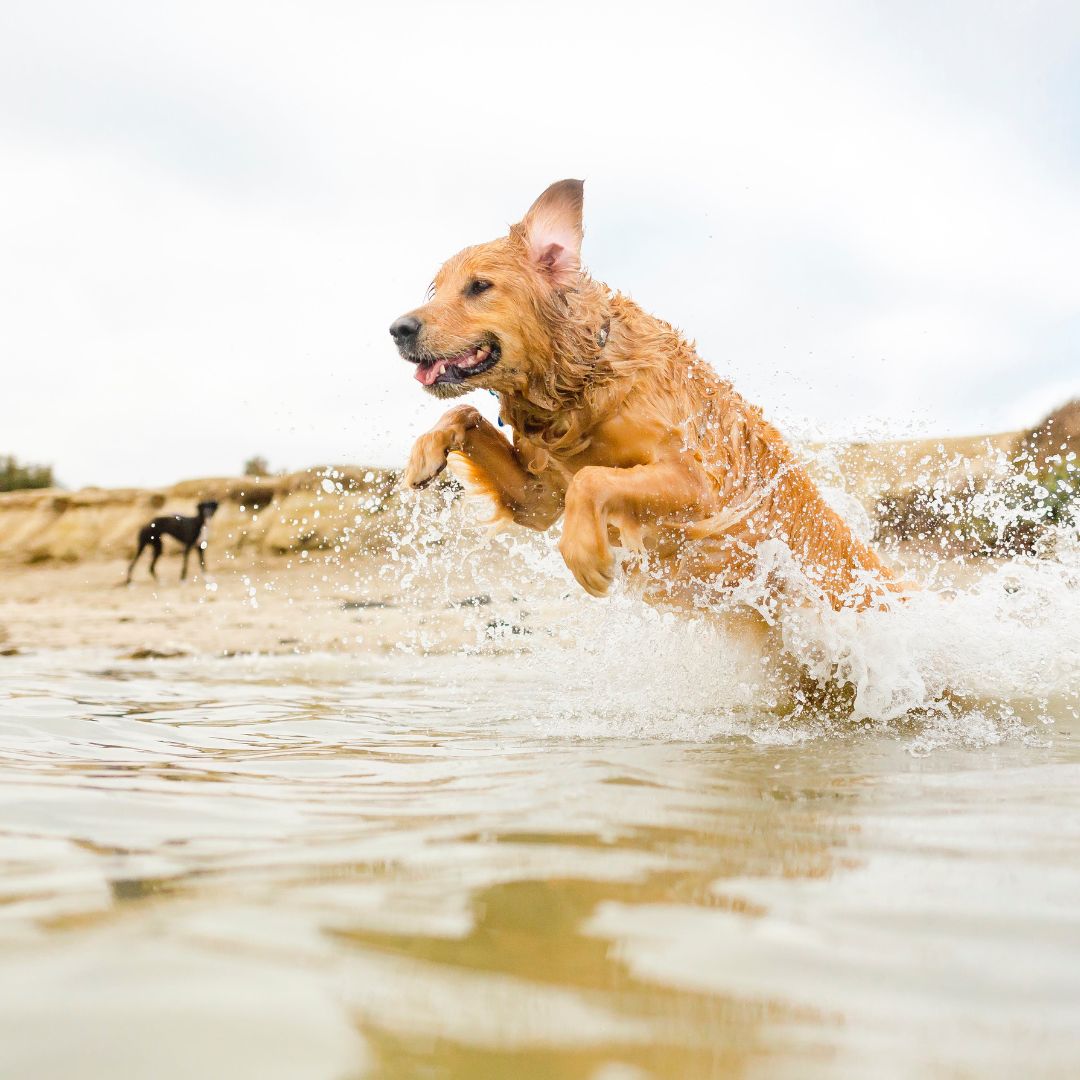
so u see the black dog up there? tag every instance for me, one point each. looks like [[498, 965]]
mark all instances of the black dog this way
[[190, 531]]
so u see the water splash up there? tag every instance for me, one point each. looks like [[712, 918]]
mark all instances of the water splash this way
[[982, 653]]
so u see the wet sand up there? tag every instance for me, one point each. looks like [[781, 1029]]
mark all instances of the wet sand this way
[[87, 605], [310, 602]]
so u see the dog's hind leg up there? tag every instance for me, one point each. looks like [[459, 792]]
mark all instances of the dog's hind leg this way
[[183, 569], [155, 542]]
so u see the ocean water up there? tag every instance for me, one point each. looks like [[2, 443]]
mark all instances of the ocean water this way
[[610, 843]]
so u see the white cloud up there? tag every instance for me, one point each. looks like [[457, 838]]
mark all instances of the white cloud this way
[[220, 208]]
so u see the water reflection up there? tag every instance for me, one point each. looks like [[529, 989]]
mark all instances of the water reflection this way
[[330, 867]]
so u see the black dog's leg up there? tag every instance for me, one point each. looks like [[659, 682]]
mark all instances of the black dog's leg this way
[[156, 542], [202, 558], [131, 566], [183, 569]]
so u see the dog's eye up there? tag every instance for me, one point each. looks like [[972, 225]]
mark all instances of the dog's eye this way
[[477, 287]]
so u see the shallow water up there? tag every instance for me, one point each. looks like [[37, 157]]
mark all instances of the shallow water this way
[[335, 866]]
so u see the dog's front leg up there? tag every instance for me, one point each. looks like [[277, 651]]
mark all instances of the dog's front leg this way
[[641, 495], [494, 468]]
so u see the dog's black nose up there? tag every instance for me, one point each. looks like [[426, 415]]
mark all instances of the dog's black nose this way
[[405, 329]]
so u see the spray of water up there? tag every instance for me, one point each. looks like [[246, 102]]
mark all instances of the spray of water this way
[[985, 650]]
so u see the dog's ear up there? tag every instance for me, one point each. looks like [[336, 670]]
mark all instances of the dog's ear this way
[[552, 230]]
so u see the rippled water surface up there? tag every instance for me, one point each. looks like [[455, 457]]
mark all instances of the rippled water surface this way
[[346, 866]]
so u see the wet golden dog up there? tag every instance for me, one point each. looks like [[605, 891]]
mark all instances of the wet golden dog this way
[[618, 426]]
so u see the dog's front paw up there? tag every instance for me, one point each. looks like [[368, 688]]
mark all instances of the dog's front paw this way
[[428, 458], [592, 565]]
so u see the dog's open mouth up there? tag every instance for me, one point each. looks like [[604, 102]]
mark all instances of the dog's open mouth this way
[[440, 370]]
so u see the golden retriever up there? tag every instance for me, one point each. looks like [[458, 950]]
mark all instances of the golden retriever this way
[[619, 427]]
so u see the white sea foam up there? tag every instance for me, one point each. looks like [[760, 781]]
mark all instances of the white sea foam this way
[[992, 657]]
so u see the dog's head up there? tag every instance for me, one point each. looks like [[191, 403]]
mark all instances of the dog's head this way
[[489, 319], [208, 508]]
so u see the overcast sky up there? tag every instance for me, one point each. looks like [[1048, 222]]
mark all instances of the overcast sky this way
[[868, 215]]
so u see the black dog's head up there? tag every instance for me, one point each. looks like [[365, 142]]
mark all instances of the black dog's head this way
[[207, 509]]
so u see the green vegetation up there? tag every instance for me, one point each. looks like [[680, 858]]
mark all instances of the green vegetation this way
[[1011, 516], [1056, 492], [257, 466], [16, 477]]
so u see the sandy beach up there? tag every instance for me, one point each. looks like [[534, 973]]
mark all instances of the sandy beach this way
[[310, 560], [317, 602]]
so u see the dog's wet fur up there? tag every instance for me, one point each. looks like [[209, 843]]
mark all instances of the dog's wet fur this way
[[618, 426], [190, 531]]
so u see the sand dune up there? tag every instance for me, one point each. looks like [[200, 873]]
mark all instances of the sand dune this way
[[356, 509], [314, 509]]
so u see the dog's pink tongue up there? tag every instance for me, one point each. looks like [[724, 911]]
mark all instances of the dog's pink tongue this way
[[427, 374]]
